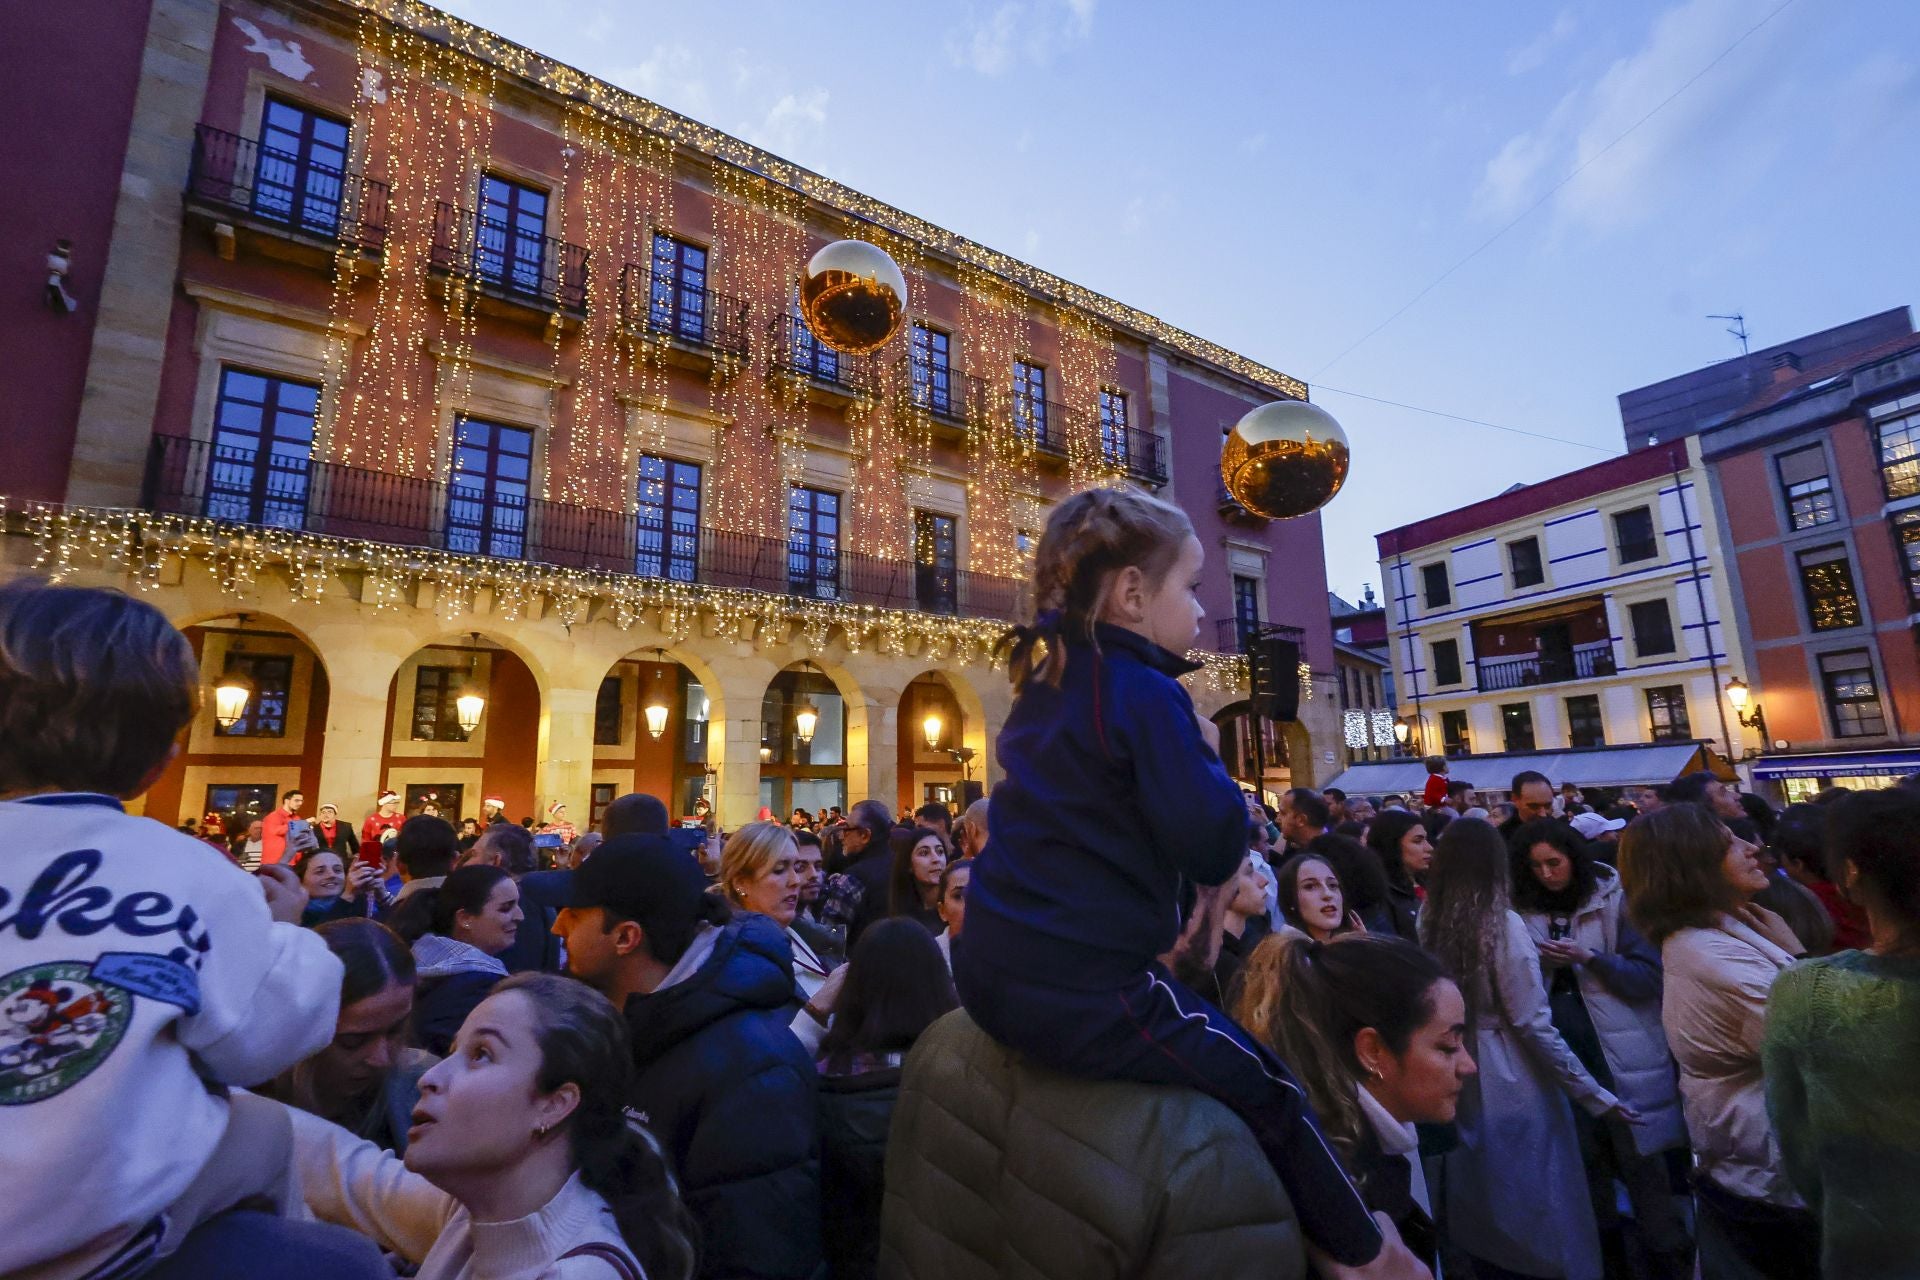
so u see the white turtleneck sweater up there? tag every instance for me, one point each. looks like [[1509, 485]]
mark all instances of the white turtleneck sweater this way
[[351, 1182]]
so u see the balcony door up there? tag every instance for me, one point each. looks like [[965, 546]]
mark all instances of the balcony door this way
[[510, 244], [936, 562], [300, 167], [932, 370], [489, 491], [667, 528], [813, 543], [262, 449], [1555, 640], [677, 293]]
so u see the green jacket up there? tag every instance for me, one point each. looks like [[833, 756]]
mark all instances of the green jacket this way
[[999, 1168], [1842, 1033]]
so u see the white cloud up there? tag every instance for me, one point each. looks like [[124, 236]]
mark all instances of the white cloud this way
[[1530, 56], [1016, 31], [672, 77], [1682, 148], [795, 119], [1030, 243], [1253, 144]]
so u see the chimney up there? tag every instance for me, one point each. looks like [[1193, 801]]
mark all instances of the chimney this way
[[1785, 365]]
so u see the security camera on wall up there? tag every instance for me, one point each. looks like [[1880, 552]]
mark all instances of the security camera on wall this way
[[58, 263]]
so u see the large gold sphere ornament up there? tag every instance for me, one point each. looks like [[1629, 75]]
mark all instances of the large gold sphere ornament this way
[[1284, 459], [854, 296]]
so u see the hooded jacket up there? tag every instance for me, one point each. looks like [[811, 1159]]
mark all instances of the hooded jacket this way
[[1111, 798], [731, 1096]]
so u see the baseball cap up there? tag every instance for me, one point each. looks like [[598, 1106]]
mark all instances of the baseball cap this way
[[642, 878], [1592, 826]]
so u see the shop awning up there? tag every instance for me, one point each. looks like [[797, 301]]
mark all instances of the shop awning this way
[[1840, 764], [1622, 766]]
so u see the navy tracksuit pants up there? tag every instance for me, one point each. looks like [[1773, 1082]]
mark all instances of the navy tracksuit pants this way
[[1152, 1030]]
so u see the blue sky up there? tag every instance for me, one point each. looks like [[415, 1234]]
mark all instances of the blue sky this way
[[1282, 177]]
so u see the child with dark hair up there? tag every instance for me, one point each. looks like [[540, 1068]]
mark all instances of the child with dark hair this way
[[1114, 800]]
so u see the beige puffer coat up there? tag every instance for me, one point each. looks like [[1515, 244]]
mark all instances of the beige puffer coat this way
[[998, 1168]]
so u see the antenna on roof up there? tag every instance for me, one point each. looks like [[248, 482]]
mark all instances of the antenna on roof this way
[[1738, 328]]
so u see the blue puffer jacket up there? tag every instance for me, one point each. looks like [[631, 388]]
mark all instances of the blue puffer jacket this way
[[731, 1096], [1110, 798]]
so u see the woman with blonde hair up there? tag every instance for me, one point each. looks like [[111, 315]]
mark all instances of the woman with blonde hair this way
[[759, 872]]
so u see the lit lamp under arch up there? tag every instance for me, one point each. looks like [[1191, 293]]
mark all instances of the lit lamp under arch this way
[[230, 698], [804, 721], [656, 709], [471, 703], [932, 727]]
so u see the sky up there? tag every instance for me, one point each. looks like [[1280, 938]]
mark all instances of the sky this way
[[1283, 177]]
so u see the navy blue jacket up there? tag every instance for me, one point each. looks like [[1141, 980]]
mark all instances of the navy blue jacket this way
[[1110, 797], [732, 1097]]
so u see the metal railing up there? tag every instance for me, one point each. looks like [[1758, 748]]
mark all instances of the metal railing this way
[[667, 308], [1584, 663], [797, 351], [1236, 635], [241, 486], [1041, 424], [1139, 451], [944, 393], [281, 189], [541, 271]]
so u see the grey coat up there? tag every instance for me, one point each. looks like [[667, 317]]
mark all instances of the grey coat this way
[[1621, 989], [1514, 1192]]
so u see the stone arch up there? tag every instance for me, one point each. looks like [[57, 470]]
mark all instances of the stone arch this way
[[669, 767], [921, 766], [423, 750], [832, 767]]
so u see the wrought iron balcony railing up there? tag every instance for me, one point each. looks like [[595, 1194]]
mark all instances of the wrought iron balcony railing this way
[[706, 319], [1584, 663], [244, 487], [946, 394], [540, 271], [796, 351], [285, 191], [1141, 453], [1042, 425]]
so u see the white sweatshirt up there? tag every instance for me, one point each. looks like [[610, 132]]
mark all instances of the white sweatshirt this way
[[351, 1182], [136, 966]]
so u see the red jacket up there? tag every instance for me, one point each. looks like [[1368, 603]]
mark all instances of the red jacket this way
[[372, 852], [273, 835], [1436, 792]]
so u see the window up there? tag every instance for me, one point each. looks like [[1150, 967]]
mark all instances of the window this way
[[491, 486], [1667, 714], [1113, 428], [510, 247], [1516, 721], [677, 293], [1030, 403], [936, 562], [262, 446], [1853, 700], [1023, 542], [1583, 722], [239, 803], [271, 675], [1633, 535], [300, 167], [1524, 558], [667, 524], [1826, 580], [813, 543], [1373, 697], [1246, 611], [1900, 454], [1652, 624], [1807, 488], [810, 355], [1433, 584], [435, 717], [1446, 662], [598, 801], [607, 709], [1906, 540], [1453, 733], [442, 799], [932, 370]]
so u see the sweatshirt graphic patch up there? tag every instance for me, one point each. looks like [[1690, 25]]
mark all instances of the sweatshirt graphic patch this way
[[57, 1024]]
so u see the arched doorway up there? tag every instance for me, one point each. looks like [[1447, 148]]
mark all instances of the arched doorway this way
[[938, 763], [1246, 756], [238, 767], [445, 753], [803, 742], [653, 718]]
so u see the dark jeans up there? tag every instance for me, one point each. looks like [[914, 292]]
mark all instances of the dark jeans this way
[[1743, 1239], [243, 1245], [1155, 1031]]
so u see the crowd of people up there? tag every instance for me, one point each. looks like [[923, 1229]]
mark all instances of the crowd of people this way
[[1652, 1034]]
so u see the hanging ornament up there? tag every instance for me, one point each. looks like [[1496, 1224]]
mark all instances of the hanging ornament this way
[[1284, 459], [854, 296]]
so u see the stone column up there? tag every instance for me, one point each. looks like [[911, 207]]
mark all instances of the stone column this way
[[359, 676], [563, 766], [873, 738]]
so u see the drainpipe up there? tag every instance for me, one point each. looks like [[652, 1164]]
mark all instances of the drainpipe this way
[[1700, 595]]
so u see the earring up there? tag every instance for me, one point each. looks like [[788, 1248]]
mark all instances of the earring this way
[[540, 1131]]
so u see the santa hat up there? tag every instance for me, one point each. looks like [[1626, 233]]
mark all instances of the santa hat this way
[[556, 807], [388, 797], [323, 808], [495, 801]]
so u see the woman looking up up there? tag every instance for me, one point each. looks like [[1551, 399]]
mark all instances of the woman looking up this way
[[1311, 901]]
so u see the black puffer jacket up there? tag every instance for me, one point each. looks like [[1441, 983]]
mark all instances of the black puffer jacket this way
[[855, 1113], [731, 1096]]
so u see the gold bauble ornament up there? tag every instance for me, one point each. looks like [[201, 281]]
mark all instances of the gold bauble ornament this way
[[1284, 459], [854, 296]]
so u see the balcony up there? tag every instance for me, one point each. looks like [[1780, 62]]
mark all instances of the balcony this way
[[950, 398], [1042, 425], [515, 273], [1236, 635], [288, 206], [1584, 662], [239, 487], [817, 371], [1140, 453], [699, 329]]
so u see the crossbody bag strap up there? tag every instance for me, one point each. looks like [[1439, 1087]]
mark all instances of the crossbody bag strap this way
[[608, 1254]]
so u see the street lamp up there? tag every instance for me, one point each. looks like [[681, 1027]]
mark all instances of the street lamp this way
[[471, 702], [230, 699], [656, 708], [807, 718], [932, 726], [1402, 731], [1738, 695]]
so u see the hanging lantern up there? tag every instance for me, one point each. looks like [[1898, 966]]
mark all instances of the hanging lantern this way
[[804, 721], [854, 296], [766, 753], [468, 706], [1284, 459], [230, 699], [656, 709], [932, 726]]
